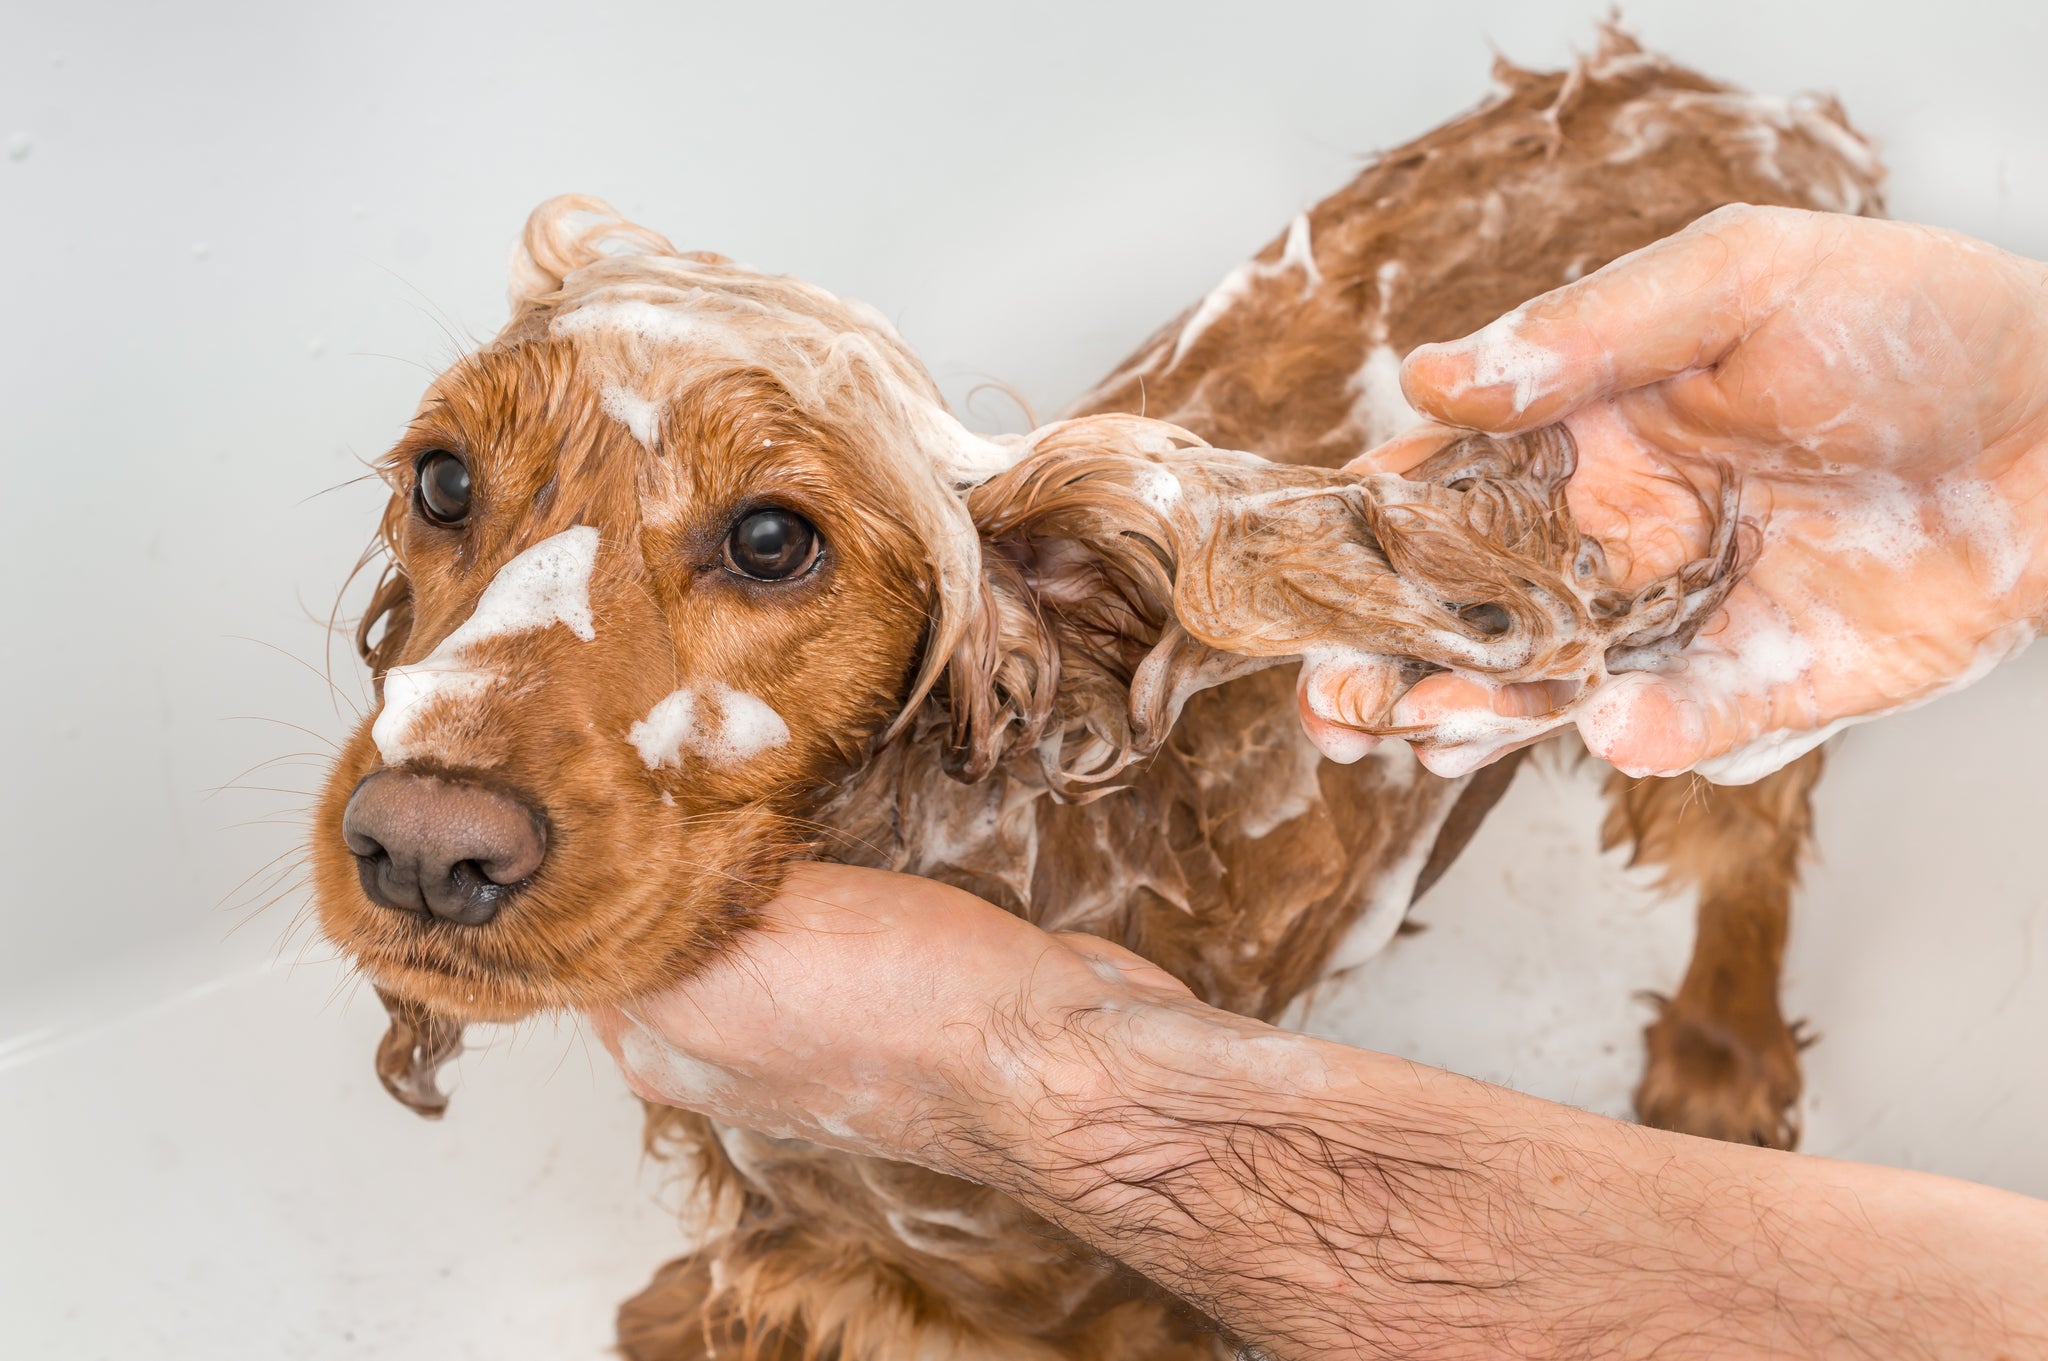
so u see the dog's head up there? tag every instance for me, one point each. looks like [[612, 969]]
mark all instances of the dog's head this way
[[666, 556]]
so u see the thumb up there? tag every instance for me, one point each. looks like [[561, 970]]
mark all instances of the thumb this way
[[1681, 303]]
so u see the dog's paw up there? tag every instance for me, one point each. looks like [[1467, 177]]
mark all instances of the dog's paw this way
[[1706, 1077]]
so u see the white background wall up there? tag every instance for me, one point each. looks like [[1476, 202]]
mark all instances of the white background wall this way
[[231, 235]]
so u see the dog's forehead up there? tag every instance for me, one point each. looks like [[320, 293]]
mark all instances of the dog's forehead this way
[[647, 328], [643, 326]]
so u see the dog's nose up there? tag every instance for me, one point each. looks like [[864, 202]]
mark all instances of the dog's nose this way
[[424, 844]]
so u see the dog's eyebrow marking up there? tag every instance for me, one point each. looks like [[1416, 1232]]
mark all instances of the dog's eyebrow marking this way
[[641, 415], [547, 584], [745, 728]]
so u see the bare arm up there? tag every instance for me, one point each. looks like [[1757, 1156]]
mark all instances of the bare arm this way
[[1318, 1200], [1327, 1202]]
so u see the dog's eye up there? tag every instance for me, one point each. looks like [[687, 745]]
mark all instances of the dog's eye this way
[[443, 481], [771, 545]]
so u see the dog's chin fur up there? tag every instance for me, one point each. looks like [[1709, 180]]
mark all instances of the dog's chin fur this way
[[998, 674]]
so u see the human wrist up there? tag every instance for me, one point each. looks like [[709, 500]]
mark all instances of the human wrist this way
[[1037, 1077]]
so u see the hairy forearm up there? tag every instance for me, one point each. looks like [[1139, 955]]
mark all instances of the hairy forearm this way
[[1323, 1202]]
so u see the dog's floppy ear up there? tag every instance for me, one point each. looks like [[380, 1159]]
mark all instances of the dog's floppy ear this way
[[1075, 653], [418, 1041], [387, 621], [1070, 601], [415, 1047], [1126, 566]]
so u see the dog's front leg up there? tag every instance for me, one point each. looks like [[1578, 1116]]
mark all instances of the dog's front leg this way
[[1722, 1061]]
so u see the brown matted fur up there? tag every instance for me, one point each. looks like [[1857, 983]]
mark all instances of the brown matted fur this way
[[989, 681]]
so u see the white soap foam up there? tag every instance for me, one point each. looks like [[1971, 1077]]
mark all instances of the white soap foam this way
[[1757, 652], [1501, 357], [1978, 514], [751, 727], [1465, 741], [410, 690], [547, 584], [1769, 754], [669, 726], [655, 323], [1160, 488], [638, 414], [744, 727], [1380, 411], [1879, 516]]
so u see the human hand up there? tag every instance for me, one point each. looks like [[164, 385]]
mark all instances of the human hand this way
[[1881, 388], [873, 1012]]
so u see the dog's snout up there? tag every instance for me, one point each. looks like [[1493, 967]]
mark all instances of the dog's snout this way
[[424, 844]]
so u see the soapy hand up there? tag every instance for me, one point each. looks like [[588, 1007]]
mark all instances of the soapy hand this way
[[868, 1012], [1882, 391]]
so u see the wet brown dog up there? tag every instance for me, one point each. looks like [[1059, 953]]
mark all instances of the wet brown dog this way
[[692, 574]]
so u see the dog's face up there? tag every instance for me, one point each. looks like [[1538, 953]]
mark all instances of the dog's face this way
[[668, 564]]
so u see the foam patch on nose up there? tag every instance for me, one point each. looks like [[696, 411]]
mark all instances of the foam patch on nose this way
[[744, 727], [547, 584]]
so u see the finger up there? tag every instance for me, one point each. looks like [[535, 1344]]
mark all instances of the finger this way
[[1469, 723], [1644, 724], [1345, 746], [1679, 304], [1341, 696], [1405, 450]]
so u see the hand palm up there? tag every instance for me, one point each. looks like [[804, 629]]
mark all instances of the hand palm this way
[[1878, 387]]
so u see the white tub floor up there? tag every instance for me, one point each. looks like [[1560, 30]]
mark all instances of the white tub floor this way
[[221, 1177]]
